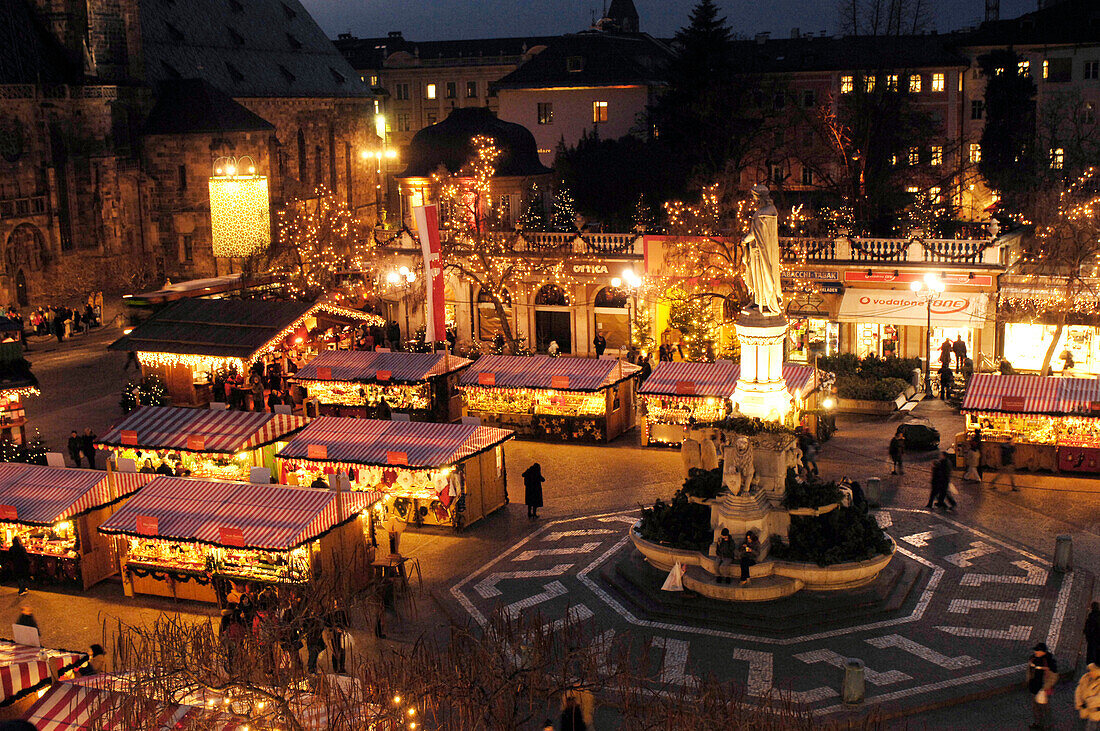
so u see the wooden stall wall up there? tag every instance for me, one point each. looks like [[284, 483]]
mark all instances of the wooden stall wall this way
[[178, 379], [97, 552]]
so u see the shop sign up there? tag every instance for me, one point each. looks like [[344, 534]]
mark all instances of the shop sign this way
[[324, 374], [196, 443], [832, 288], [588, 268], [147, 525], [897, 307], [1094, 406], [1013, 403], [814, 274], [230, 536], [382, 375], [128, 437], [8, 512], [486, 379], [559, 382], [893, 276], [685, 388], [316, 451], [397, 458]]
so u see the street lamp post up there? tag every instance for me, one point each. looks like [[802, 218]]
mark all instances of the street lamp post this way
[[929, 289], [403, 277], [630, 282]]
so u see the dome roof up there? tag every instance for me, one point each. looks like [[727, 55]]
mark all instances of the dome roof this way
[[448, 143]]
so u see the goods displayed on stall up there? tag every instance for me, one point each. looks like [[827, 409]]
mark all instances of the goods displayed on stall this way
[[566, 398], [439, 474], [678, 393], [218, 445], [25, 669], [16, 383], [199, 539], [55, 512], [1054, 421], [353, 383], [194, 343]]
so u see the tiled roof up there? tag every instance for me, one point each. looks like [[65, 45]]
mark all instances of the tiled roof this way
[[448, 143], [247, 48], [606, 60], [191, 106], [1068, 21]]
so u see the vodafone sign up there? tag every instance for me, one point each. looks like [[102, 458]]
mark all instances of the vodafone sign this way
[[906, 308]]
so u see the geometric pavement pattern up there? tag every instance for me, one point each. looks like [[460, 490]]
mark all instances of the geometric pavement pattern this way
[[980, 605]]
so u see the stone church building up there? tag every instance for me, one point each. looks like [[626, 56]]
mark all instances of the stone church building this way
[[112, 113]]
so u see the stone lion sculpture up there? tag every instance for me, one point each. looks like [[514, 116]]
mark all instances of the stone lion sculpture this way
[[738, 469]]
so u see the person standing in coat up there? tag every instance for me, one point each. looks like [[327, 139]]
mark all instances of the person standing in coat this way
[[1092, 635], [941, 484], [959, 349], [20, 564], [1042, 675], [87, 445], [897, 452], [532, 489], [600, 343], [75, 445], [1087, 698]]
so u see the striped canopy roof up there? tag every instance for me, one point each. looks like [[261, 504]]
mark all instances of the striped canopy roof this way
[[363, 365], [227, 432], [414, 444], [540, 371], [718, 379], [46, 495], [1031, 394], [269, 517], [72, 706]]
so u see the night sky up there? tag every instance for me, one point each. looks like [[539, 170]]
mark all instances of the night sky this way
[[423, 20]]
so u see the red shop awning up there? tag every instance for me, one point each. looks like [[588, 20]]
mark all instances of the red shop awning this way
[[200, 430], [718, 379], [37, 495], [369, 365], [24, 668], [1013, 394], [563, 373]]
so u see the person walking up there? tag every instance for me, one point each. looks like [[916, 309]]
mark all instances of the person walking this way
[[1087, 698], [337, 622], [75, 445], [808, 445], [947, 379], [897, 452], [725, 552], [750, 548], [647, 369], [532, 489], [959, 349], [26, 617], [945, 352], [20, 564], [87, 445], [1008, 465], [973, 460], [1092, 635], [600, 343], [941, 484], [313, 627], [1042, 675]]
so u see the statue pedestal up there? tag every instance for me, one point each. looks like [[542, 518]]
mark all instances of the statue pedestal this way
[[761, 391]]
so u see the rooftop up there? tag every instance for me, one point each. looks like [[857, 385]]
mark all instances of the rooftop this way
[[593, 59], [193, 106]]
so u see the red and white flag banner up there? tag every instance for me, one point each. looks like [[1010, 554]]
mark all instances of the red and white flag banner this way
[[427, 226]]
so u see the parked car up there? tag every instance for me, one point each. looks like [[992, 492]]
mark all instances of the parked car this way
[[920, 435]]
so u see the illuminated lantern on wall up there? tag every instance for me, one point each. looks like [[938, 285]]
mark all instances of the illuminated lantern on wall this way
[[240, 217]]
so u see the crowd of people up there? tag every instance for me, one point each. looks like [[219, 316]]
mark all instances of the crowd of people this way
[[58, 322], [82, 445]]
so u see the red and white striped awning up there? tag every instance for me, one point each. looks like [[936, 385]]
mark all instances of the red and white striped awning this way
[[236, 514], [1079, 396], [562, 373], [414, 444], [1014, 394], [369, 365], [718, 379], [36, 495], [80, 707], [200, 430], [24, 668]]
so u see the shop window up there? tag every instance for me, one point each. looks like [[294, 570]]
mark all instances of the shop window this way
[[608, 297], [551, 295], [810, 337]]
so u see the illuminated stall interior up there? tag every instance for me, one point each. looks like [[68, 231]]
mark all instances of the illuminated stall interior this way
[[561, 398], [189, 342], [218, 445], [436, 474], [1054, 421], [55, 512], [201, 540], [16, 383], [353, 383], [681, 392]]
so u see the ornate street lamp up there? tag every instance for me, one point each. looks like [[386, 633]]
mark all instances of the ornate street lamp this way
[[929, 290]]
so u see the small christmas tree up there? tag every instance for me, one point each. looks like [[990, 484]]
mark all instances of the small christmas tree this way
[[565, 212], [36, 450], [698, 327], [149, 391], [533, 217], [644, 218]]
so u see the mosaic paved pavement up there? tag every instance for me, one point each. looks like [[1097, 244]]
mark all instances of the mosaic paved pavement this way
[[975, 606]]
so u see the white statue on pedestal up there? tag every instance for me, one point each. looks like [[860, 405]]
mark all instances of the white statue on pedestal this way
[[763, 254]]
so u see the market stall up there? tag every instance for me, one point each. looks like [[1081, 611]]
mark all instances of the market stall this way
[[561, 398], [90, 704], [25, 669], [219, 445], [1053, 421], [198, 539], [439, 474], [681, 392], [353, 383], [55, 512], [16, 383], [196, 344]]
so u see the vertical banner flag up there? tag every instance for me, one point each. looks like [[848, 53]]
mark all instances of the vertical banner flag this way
[[427, 225]]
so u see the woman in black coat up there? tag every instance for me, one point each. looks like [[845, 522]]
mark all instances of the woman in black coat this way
[[532, 489], [20, 564]]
